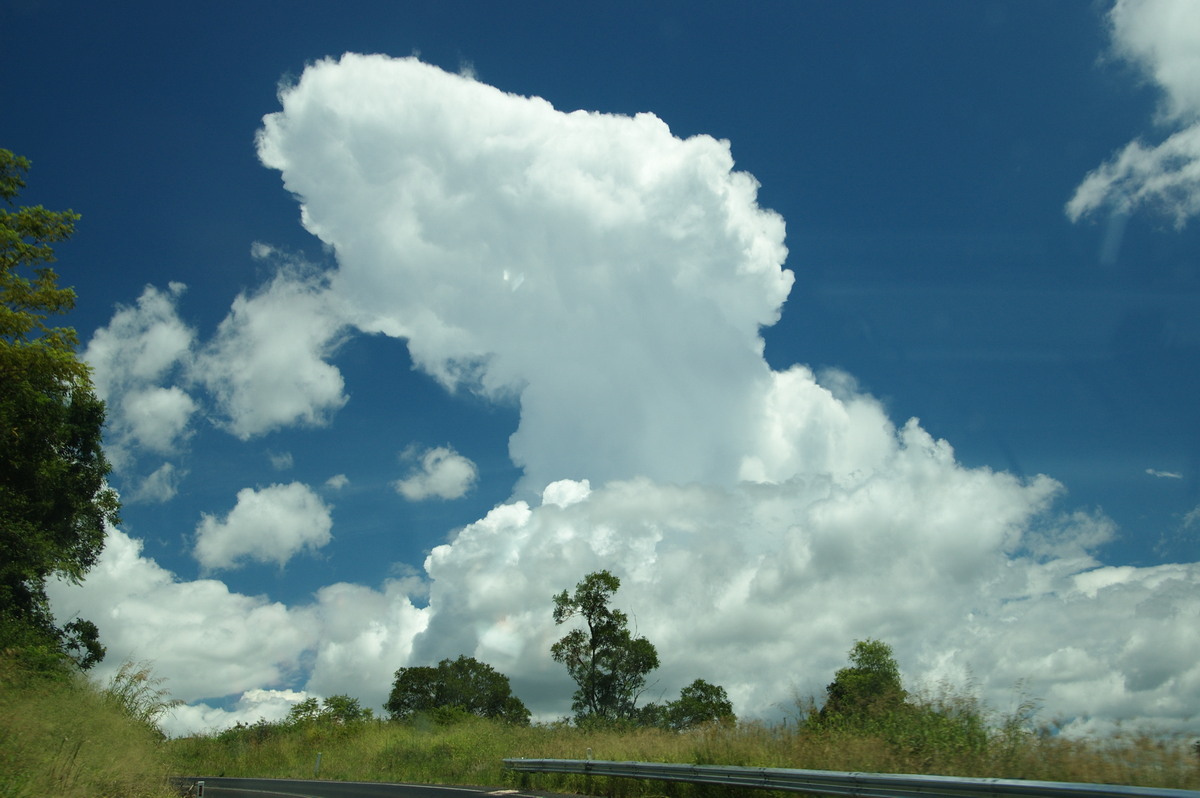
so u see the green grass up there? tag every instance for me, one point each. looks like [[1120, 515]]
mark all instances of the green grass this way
[[62, 736], [471, 753]]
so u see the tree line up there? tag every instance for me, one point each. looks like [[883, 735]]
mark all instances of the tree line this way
[[607, 662]]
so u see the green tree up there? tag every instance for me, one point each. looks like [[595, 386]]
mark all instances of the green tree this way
[[608, 663], [340, 709], [343, 709], [464, 685], [699, 703], [869, 687], [306, 711], [54, 501]]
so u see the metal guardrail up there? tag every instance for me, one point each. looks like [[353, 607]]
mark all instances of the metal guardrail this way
[[829, 782]]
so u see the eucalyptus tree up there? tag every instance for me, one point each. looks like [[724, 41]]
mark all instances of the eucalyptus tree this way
[[54, 498], [605, 660]]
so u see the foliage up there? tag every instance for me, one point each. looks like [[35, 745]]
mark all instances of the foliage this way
[[53, 497], [337, 709], [454, 688], [471, 753], [699, 703], [608, 663], [870, 687]]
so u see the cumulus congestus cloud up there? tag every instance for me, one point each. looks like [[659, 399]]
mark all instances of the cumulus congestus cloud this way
[[610, 275], [613, 279]]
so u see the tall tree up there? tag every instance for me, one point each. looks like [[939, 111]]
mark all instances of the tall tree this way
[[608, 663], [54, 501], [464, 684]]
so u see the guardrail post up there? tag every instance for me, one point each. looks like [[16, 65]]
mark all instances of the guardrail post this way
[[317, 767]]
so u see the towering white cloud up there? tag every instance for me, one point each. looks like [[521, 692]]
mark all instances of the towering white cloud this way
[[1162, 39], [610, 275], [268, 525], [613, 279]]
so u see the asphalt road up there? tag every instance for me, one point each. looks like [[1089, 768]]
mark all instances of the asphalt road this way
[[296, 788]]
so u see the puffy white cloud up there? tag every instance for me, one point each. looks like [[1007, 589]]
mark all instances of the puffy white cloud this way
[[337, 482], [442, 473], [268, 525], [266, 366], [593, 265], [763, 589], [205, 640], [1162, 38], [250, 707], [366, 635], [208, 642], [131, 357]]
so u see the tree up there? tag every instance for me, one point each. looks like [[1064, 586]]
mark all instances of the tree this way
[[340, 709], [343, 709], [465, 685], [608, 663], [54, 501], [868, 688], [698, 703]]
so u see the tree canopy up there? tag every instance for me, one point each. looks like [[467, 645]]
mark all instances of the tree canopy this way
[[606, 661], [465, 685], [869, 686], [54, 500], [340, 709], [698, 703]]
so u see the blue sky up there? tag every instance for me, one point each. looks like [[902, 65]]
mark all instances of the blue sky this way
[[989, 227]]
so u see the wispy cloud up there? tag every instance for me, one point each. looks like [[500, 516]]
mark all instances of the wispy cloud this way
[[1162, 39], [161, 486], [1154, 472], [281, 461]]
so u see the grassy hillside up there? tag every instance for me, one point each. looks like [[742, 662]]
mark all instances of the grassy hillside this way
[[61, 736]]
